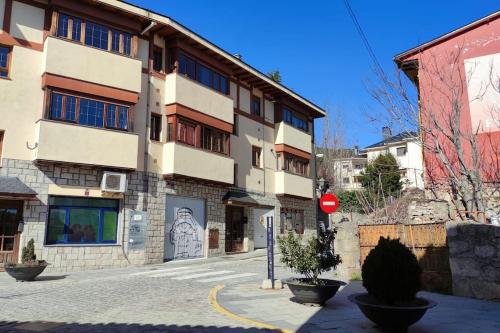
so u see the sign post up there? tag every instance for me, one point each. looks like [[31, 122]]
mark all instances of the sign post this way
[[270, 250]]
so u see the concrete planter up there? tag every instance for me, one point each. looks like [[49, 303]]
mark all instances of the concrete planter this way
[[25, 272], [308, 293], [395, 318]]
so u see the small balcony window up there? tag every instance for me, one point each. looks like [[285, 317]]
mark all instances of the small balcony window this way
[[401, 151]]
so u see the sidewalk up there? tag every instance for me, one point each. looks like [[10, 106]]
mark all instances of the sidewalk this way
[[274, 307]]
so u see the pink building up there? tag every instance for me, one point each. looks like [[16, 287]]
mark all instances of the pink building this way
[[458, 74]]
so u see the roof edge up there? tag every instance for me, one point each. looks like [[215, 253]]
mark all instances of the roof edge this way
[[161, 18], [493, 16]]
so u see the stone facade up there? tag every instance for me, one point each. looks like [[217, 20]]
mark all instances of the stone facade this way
[[428, 211], [137, 198], [474, 259]]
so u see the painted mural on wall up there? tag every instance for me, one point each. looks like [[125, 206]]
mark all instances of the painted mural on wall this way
[[483, 85], [185, 227]]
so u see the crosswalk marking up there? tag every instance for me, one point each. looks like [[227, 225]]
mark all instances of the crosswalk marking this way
[[179, 272], [162, 270], [194, 276], [227, 277]]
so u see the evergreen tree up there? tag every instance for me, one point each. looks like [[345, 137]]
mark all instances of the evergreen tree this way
[[381, 178]]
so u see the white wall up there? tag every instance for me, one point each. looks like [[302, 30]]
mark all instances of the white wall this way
[[2, 10], [27, 22]]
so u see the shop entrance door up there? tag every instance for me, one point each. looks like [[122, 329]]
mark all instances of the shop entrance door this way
[[11, 212], [234, 229]]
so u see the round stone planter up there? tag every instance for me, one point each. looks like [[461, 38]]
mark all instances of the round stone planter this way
[[308, 293], [25, 272], [392, 318]]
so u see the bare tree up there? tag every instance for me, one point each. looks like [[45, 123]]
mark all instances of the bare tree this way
[[450, 143]]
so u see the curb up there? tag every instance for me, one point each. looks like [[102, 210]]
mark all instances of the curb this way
[[212, 299]]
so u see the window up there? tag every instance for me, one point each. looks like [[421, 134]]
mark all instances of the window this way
[[4, 61], [203, 74], [293, 164], [293, 119], [345, 180], [401, 151], [2, 134], [215, 140], [186, 132], [74, 220], [235, 124], [235, 182], [158, 59], [88, 112], [256, 106], [345, 166], [292, 220], [256, 152], [96, 35], [115, 41], [358, 166], [170, 132], [155, 131]]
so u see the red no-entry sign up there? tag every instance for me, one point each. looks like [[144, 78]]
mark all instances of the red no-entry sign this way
[[329, 203]]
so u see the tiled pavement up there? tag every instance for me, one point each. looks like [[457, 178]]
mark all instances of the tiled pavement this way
[[276, 307]]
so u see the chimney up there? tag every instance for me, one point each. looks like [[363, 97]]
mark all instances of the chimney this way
[[386, 132]]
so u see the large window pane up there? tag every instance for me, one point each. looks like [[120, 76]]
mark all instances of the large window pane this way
[[123, 117], [70, 108], [56, 106], [77, 29], [91, 112], [96, 35], [109, 226], [111, 116], [115, 41], [55, 228], [62, 26], [204, 75], [83, 225], [127, 43]]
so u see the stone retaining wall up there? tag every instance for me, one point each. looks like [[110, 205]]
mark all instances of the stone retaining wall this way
[[474, 259]]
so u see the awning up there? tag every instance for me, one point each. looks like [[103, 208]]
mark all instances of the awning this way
[[239, 198], [13, 188]]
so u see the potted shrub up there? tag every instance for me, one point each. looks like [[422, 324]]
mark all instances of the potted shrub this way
[[311, 259], [391, 275], [29, 268]]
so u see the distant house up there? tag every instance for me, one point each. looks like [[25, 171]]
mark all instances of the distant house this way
[[407, 150], [345, 166]]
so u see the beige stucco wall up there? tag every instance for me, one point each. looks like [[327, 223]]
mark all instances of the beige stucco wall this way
[[27, 22], [252, 133], [143, 52], [188, 161], [244, 99], [233, 93], [287, 183], [85, 145], [289, 135], [20, 110], [179, 89], [92, 65], [269, 111]]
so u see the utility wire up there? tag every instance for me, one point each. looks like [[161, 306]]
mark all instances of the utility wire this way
[[366, 43]]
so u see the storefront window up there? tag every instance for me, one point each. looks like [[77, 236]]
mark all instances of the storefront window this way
[[82, 220], [292, 220]]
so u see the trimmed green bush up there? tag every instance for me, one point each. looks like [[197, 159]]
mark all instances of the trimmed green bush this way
[[28, 254], [312, 258], [391, 272]]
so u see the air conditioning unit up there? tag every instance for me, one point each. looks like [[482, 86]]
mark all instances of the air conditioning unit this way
[[114, 182]]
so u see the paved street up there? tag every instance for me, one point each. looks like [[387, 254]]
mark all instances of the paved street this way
[[169, 297], [173, 297]]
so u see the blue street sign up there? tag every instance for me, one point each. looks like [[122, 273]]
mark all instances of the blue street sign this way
[[270, 250]]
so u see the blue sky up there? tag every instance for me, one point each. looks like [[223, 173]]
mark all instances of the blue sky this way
[[315, 46]]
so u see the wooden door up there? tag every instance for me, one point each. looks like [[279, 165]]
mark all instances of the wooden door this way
[[234, 229], [11, 212]]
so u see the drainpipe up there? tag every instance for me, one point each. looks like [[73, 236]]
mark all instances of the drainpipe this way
[[145, 177]]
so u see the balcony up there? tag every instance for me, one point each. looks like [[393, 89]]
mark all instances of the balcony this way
[[288, 135], [288, 184], [85, 63], [63, 142], [195, 96], [181, 160]]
